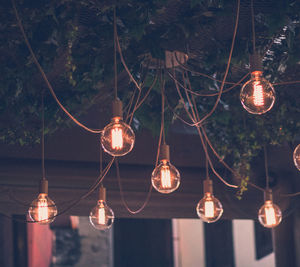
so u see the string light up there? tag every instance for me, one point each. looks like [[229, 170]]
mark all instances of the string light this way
[[269, 215], [165, 177], [42, 210], [102, 216], [117, 138], [209, 208], [260, 100], [296, 157], [257, 95]]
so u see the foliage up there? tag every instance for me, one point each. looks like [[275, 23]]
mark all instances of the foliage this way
[[73, 41]]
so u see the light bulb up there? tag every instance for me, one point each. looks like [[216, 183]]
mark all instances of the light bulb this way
[[269, 214], [296, 156], [257, 95], [102, 216], [42, 210], [117, 138], [165, 177], [209, 208]]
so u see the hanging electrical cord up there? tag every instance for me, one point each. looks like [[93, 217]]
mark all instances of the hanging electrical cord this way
[[209, 94], [129, 116], [76, 201], [200, 73], [115, 57], [123, 197], [225, 164], [44, 75], [227, 68], [129, 106], [253, 26], [122, 59], [160, 140], [43, 138], [266, 168], [285, 83], [226, 72], [195, 116], [138, 105], [214, 151], [82, 197]]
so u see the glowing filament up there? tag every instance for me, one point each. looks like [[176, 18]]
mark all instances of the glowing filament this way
[[270, 215], [165, 177], [117, 138], [101, 216], [42, 211], [209, 209], [258, 94]]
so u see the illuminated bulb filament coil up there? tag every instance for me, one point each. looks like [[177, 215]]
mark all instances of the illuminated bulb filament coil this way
[[42, 210], [270, 215], [165, 177], [101, 216], [117, 138], [209, 209], [258, 94]]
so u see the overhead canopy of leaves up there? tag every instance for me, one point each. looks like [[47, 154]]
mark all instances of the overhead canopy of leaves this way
[[73, 41]]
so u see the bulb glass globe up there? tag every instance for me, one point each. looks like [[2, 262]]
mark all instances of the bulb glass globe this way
[[102, 216], [296, 157], [42, 210], [117, 138], [269, 214], [257, 95], [165, 177], [209, 208]]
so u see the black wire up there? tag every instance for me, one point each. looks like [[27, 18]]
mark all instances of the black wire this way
[[253, 27], [43, 138], [266, 168], [162, 87], [115, 55]]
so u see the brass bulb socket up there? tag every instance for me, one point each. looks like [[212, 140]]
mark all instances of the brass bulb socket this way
[[268, 195], [117, 108], [208, 186], [44, 186], [102, 193], [255, 62], [164, 153]]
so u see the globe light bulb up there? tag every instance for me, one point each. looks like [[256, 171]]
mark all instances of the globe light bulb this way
[[209, 208], [117, 138], [257, 95], [102, 216], [269, 215], [165, 177], [42, 210], [296, 156]]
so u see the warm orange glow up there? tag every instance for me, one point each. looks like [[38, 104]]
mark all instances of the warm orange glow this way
[[42, 211], [270, 215], [258, 94], [117, 138], [209, 209], [165, 177], [101, 216]]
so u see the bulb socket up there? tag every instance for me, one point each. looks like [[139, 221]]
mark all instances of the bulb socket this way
[[102, 193], [164, 153], [44, 186], [117, 108], [208, 186], [255, 62], [268, 195]]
